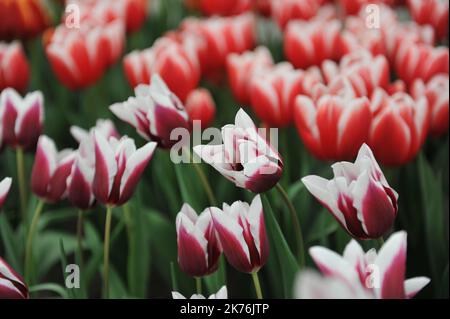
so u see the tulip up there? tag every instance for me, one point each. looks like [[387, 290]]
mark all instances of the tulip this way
[[399, 127], [334, 126], [352, 7], [244, 158], [221, 294], [285, 10], [14, 68], [22, 19], [358, 196], [12, 285], [154, 112], [175, 62], [118, 167], [242, 68], [225, 8], [80, 180], [273, 92], [5, 185], [381, 274], [436, 92], [21, 119], [308, 43], [432, 12], [200, 106], [51, 170], [242, 234], [198, 247]]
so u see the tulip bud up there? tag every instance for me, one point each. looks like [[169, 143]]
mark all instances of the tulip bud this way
[[200, 106], [242, 234], [284, 11], [21, 119], [358, 196], [221, 294], [154, 112], [198, 248], [245, 158], [118, 167], [14, 68], [432, 12], [12, 285], [5, 185], [50, 170], [381, 275]]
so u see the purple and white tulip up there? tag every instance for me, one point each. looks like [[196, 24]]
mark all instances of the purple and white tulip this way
[[51, 170], [221, 294], [242, 234], [245, 157], [5, 185], [21, 119], [12, 285], [358, 196], [198, 247], [118, 167], [381, 274], [155, 111]]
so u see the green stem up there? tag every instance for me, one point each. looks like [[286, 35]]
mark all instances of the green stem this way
[[29, 243], [106, 251], [296, 224], [257, 285], [22, 181], [198, 285], [80, 236], [131, 248]]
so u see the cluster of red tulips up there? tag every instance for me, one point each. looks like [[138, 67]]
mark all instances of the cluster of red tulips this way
[[358, 94]]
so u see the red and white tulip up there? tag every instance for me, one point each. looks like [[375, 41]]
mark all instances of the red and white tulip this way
[[155, 111], [51, 170], [198, 247], [358, 196], [284, 11], [12, 285], [245, 158], [200, 106], [5, 186], [242, 234], [432, 12], [14, 68], [21, 119]]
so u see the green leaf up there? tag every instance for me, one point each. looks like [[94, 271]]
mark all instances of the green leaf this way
[[10, 243], [52, 287]]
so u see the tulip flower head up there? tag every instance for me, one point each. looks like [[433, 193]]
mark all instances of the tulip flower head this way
[[51, 170], [5, 186], [12, 285], [21, 119], [382, 274], [198, 247], [155, 111], [221, 294], [14, 68], [200, 106], [242, 234], [244, 158], [118, 168], [358, 196]]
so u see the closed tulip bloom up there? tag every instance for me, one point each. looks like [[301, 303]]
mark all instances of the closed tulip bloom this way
[[358, 196], [200, 106], [51, 170], [242, 68], [436, 91], [399, 127], [14, 68], [221, 294], [242, 234], [333, 127], [81, 178], [118, 167], [432, 12], [155, 111], [198, 247], [285, 10], [5, 185], [12, 285], [244, 158], [381, 274], [21, 119]]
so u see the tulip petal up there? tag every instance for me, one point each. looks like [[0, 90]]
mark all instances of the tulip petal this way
[[414, 285], [5, 186], [44, 166], [105, 168], [29, 120]]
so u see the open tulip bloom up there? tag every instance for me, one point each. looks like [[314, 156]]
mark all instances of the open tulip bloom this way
[[358, 196], [12, 286], [371, 274], [245, 157]]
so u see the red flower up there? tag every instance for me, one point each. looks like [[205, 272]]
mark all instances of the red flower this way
[[284, 11], [432, 12], [399, 127], [14, 68], [225, 8], [200, 106]]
